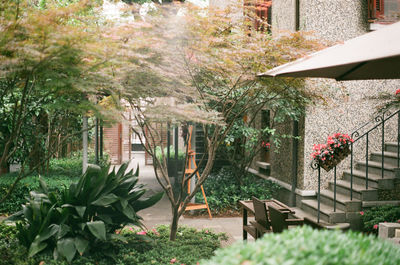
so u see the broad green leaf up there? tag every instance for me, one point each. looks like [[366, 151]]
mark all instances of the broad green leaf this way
[[16, 216], [98, 229], [66, 248], [124, 203], [121, 170], [63, 230], [81, 245], [80, 210], [106, 200], [129, 212], [119, 238], [137, 171], [47, 233], [106, 218], [43, 185], [139, 205], [36, 247]]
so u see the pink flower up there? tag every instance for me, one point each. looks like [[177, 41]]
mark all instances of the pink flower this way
[[141, 233], [131, 229], [375, 226], [397, 91], [206, 232], [173, 261], [117, 232], [362, 213]]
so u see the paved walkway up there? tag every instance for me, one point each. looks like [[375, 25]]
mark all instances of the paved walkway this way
[[161, 212]]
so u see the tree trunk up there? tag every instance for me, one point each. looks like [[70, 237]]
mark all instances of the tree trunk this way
[[85, 144], [174, 224]]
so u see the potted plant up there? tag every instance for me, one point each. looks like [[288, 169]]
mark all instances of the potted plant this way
[[335, 150]]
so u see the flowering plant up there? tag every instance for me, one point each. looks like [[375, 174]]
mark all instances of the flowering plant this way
[[335, 150], [265, 145]]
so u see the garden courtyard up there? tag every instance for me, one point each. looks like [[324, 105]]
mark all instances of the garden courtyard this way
[[195, 132]]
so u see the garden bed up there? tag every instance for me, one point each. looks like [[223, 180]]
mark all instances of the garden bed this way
[[224, 192], [152, 247]]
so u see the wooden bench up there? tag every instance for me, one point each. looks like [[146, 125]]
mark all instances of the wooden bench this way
[[248, 207]]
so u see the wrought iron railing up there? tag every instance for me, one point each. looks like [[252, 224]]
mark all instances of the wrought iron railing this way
[[363, 132]]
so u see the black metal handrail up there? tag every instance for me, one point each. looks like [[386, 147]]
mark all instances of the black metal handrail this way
[[378, 122]]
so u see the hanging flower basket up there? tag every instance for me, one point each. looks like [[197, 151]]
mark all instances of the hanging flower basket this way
[[333, 152]]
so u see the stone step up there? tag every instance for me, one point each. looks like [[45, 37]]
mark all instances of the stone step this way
[[369, 204], [391, 147], [343, 202], [359, 191], [326, 212], [390, 158], [264, 168], [376, 168], [301, 214], [374, 180]]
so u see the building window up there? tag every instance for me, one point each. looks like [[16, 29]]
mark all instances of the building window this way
[[383, 11]]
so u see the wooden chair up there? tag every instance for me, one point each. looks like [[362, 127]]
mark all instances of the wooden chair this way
[[280, 220], [261, 223]]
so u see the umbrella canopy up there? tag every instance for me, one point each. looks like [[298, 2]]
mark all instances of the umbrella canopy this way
[[374, 55]]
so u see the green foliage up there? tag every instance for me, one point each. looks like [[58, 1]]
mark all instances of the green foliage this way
[[159, 153], [62, 172], [86, 214], [72, 165], [153, 248], [55, 183], [224, 192], [372, 217], [304, 245], [11, 252]]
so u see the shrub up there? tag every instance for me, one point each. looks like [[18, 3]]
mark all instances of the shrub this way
[[181, 154], [55, 183], [153, 248], [72, 165], [62, 172], [303, 245], [372, 217], [86, 214], [223, 191]]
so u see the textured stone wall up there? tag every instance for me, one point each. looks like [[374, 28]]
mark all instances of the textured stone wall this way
[[337, 20], [283, 15], [348, 104], [281, 159]]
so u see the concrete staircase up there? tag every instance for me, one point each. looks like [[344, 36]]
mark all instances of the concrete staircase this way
[[347, 209]]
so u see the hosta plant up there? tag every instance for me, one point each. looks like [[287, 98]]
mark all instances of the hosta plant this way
[[86, 214]]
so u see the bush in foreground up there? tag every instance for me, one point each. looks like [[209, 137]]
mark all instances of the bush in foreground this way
[[152, 248], [303, 245]]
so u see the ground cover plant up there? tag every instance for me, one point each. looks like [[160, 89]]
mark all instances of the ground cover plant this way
[[303, 245], [224, 191], [141, 247], [84, 216], [372, 217]]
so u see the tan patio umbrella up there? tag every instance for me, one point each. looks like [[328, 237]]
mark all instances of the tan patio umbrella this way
[[375, 55]]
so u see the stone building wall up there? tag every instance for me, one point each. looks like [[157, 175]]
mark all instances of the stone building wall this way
[[349, 104]]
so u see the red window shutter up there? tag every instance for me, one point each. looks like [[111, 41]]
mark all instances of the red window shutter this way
[[379, 8], [376, 9]]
